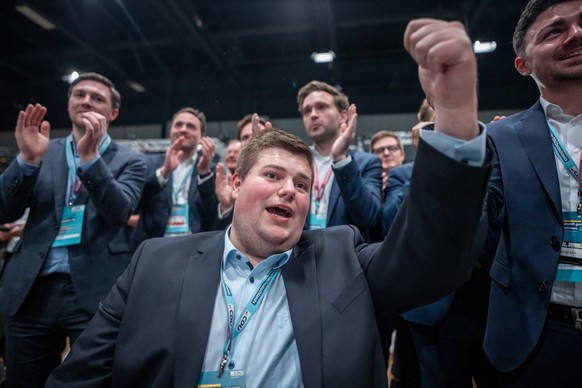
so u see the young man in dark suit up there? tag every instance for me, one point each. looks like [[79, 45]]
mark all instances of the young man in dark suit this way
[[81, 191], [534, 328]]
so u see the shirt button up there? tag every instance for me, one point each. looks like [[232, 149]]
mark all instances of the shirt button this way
[[252, 279], [576, 150], [231, 365], [238, 257]]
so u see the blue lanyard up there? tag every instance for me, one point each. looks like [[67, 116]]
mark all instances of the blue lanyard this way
[[250, 309], [74, 183], [568, 162]]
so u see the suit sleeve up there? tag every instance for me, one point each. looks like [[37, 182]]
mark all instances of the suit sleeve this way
[[436, 238], [15, 192], [89, 364], [151, 186], [116, 197], [206, 203], [396, 189], [360, 190]]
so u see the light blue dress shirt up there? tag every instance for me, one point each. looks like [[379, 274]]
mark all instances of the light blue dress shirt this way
[[266, 349]]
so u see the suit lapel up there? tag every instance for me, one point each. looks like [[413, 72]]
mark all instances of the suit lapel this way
[[533, 133], [196, 307], [110, 152], [60, 174], [107, 157], [300, 277]]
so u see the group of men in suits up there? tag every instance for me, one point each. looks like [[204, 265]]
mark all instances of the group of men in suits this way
[[325, 288]]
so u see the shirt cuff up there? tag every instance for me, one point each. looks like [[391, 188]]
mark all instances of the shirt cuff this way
[[161, 180], [471, 152], [206, 177], [85, 166], [27, 168], [223, 214], [343, 162]]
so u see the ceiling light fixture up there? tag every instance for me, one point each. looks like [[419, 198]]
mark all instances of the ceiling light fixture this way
[[35, 17], [323, 57], [136, 86], [71, 77], [484, 47]]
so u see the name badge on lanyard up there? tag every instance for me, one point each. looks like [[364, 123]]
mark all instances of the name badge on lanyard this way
[[570, 265], [71, 226], [178, 221], [230, 379]]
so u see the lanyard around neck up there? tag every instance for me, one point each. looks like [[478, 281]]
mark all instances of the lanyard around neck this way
[[248, 313], [74, 183], [564, 156], [320, 190]]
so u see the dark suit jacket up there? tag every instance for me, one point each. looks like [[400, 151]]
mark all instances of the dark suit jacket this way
[[13, 186], [110, 191], [355, 193], [156, 203], [397, 186], [524, 202], [336, 286]]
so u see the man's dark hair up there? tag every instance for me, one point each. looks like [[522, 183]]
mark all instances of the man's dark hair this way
[[267, 139], [341, 100], [115, 96], [199, 114], [530, 13], [245, 120]]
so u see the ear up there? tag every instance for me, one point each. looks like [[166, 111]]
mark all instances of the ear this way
[[344, 116], [114, 114], [522, 66], [236, 183]]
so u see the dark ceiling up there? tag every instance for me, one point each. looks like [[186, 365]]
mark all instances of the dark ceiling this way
[[232, 57]]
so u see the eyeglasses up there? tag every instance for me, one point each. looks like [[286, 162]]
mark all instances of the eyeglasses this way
[[390, 148]]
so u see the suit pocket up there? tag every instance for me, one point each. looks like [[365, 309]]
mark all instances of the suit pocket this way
[[355, 288], [500, 273]]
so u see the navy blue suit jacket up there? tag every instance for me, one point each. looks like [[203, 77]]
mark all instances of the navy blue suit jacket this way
[[525, 206], [355, 193], [397, 187], [111, 190], [156, 203]]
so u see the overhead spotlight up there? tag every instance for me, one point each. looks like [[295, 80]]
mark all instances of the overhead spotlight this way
[[71, 77], [484, 47], [136, 86], [35, 17], [323, 57]]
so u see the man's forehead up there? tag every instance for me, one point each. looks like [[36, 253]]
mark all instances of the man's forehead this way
[[388, 139], [554, 13], [186, 117], [318, 95], [92, 85], [280, 156]]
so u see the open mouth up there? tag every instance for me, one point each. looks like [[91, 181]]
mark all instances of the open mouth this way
[[279, 211], [572, 54]]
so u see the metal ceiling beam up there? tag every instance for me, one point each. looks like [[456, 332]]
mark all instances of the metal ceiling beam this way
[[196, 29], [86, 46]]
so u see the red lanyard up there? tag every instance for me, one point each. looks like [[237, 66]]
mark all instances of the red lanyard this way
[[316, 189]]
